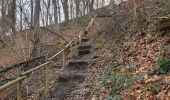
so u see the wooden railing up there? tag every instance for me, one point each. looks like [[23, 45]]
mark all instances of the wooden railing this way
[[23, 75]]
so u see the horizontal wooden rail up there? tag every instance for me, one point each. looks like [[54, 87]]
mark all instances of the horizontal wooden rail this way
[[33, 69], [7, 68], [22, 76], [11, 83], [60, 51]]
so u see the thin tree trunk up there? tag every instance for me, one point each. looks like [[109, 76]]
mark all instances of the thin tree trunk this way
[[71, 9], [103, 3], [37, 13], [36, 51], [48, 10], [55, 12], [97, 4], [77, 7], [13, 15], [21, 15], [84, 7], [59, 11], [91, 4], [65, 9], [32, 11], [3, 16]]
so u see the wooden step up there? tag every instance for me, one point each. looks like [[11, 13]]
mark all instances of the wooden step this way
[[77, 62], [67, 77], [84, 46], [83, 52], [84, 39]]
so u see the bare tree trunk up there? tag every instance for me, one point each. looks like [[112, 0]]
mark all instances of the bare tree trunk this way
[[32, 11], [3, 16], [55, 11], [112, 1], [97, 4], [88, 6], [37, 13], [36, 51], [59, 11], [48, 10], [84, 7], [12, 15], [65, 8], [71, 9], [77, 7], [21, 15], [47, 6], [103, 3], [91, 4]]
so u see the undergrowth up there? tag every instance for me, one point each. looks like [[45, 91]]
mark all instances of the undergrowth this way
[[163, 6], [117, 80], [164, 64]]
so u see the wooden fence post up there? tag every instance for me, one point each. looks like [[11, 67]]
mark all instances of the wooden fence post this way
[[71, 51], [80, 38], [63, 59], [18, 84], [46, 74]]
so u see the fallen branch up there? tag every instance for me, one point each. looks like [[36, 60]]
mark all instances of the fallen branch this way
[[20, 64]]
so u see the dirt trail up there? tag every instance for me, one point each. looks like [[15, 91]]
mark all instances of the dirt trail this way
[[73, 75]]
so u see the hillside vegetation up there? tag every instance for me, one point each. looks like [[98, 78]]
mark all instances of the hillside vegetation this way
[[127, 55], [139, 65]]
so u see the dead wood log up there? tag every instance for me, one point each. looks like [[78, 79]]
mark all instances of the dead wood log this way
[[163, 23], [25, 63]]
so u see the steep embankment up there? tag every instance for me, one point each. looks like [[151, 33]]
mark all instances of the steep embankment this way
[[140, 69], [138, 66]]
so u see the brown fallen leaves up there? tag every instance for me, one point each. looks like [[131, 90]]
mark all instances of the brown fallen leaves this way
[[140, 53], [143, 59]]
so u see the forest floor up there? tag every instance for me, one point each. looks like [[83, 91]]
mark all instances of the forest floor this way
[[135, 68], [139, 70]]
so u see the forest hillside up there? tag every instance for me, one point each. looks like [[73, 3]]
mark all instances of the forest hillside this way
[[84, 49]]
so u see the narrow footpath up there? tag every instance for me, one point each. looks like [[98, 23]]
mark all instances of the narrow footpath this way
[[73, 73]]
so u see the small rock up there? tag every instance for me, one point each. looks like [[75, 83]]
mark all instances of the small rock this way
[[55, 65], [120, 61]]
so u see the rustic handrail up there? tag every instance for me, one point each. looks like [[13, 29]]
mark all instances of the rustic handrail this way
[[11, 83], [23, 75], [35, 68], [60, 51]]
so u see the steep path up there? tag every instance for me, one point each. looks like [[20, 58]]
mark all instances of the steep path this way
[[73, 75]]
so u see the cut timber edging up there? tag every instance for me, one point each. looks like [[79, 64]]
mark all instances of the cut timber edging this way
[[33, 69], [21, 63], [12, 83]]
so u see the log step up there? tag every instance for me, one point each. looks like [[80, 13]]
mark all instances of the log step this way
[[85, 39], [77, 62], [67, 77], [84, 46], [83, 52]]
